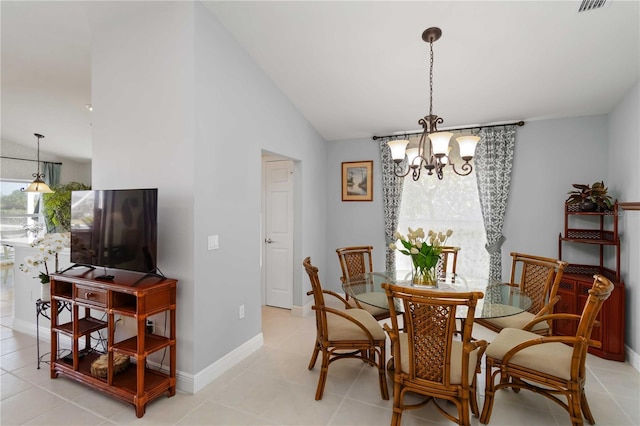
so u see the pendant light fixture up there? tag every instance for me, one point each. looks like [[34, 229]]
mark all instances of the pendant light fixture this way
[[38, 184], [433, 147]]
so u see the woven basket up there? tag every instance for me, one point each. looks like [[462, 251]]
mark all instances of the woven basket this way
[[99, 366]]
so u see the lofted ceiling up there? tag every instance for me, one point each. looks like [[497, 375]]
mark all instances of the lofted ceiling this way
[[353, 69]]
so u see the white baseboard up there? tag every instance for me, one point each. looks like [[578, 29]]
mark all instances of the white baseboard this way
[[302, 311], [632, 357], [215, 370], [28, 328]]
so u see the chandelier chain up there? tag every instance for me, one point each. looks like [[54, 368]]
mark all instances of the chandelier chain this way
[[431, 78], [38, 175]]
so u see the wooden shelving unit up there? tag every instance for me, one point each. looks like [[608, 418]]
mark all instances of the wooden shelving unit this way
[[596, 229], [129, 294]]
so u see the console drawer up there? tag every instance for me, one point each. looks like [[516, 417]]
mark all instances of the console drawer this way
[[91, 295]]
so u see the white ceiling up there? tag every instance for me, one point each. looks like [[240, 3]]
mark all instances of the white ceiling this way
[[354, 69]]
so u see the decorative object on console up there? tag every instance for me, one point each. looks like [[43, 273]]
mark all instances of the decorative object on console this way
[[424, 252], [99, 367], [38, 184], [48, 247], [433, 147], [590, 198]]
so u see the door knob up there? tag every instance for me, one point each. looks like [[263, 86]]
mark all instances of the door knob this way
[[268, 240]]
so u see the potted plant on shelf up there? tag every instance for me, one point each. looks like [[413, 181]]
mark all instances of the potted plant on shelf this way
[[590, 198]]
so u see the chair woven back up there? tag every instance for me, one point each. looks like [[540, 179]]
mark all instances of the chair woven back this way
[[538, 277], [429, 323], [355, 260], [448, 261]]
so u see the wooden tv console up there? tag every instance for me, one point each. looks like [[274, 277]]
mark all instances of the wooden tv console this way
[[128, 294]]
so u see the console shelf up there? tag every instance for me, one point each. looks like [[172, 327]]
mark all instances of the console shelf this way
[[129, 294]]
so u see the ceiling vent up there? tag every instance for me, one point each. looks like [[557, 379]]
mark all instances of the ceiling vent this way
[[587, 5]]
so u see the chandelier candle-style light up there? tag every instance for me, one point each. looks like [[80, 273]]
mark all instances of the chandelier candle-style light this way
[[38, 184], [433, 147]]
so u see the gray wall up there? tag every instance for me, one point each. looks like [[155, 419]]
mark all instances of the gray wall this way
[[199, 113], [352, 223], [240, 114], [624, 179], [550, 155]]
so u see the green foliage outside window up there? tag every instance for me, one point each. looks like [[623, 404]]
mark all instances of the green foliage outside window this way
[[14, 203], [57, 206]]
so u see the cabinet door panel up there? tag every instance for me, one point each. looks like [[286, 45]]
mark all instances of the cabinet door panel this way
[[566, 304], [596, 334]]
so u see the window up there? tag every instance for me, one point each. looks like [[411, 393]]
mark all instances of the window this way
[[450, 203], [19, 211]]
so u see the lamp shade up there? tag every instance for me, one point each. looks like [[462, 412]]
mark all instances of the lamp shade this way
[[38, 186], [398, 147], [467, 146], [440, 142], [412, 157]]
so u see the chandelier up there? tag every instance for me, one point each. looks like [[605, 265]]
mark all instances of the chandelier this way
[[38, 184], [433, 148]]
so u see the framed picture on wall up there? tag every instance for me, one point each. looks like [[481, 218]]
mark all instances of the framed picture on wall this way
[[357, 181]]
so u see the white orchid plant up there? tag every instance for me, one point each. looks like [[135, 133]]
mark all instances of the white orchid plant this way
[[48, 248], [424, 250]]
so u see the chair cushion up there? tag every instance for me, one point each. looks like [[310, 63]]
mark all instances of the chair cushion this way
[[456, 359], [340, 328], [517, 321], [550, 358], [370, 302]]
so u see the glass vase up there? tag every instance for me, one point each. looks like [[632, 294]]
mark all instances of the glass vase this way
[[425, 277]]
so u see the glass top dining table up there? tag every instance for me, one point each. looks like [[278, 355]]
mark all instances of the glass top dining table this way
[[500, 299]]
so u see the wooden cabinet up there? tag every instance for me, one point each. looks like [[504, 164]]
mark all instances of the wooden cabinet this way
[[96, 306], [598, 230]]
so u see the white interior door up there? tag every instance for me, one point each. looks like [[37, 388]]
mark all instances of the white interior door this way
[[278, 242]]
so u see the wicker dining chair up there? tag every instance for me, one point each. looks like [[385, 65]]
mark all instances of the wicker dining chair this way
[[538, 278], [448, 261], [355, 261], [350, 333], [552, 366], [425, 357]]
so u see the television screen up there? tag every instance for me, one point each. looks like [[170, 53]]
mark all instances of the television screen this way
[[115, 228]]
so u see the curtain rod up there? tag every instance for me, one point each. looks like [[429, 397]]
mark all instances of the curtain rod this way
[[28, 159], [517, 123]]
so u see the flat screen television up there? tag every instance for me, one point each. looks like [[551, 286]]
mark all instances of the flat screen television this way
[[115, 229]]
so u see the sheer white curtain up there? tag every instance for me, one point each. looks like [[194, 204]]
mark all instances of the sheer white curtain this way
[[450, 203]]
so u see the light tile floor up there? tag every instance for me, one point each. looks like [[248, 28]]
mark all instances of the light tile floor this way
[[274, 387]]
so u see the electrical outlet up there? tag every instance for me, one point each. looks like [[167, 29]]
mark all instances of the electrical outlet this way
[[150, 326], [241, 312]]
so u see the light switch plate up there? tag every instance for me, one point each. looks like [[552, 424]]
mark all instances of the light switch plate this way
[[212, 242]]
